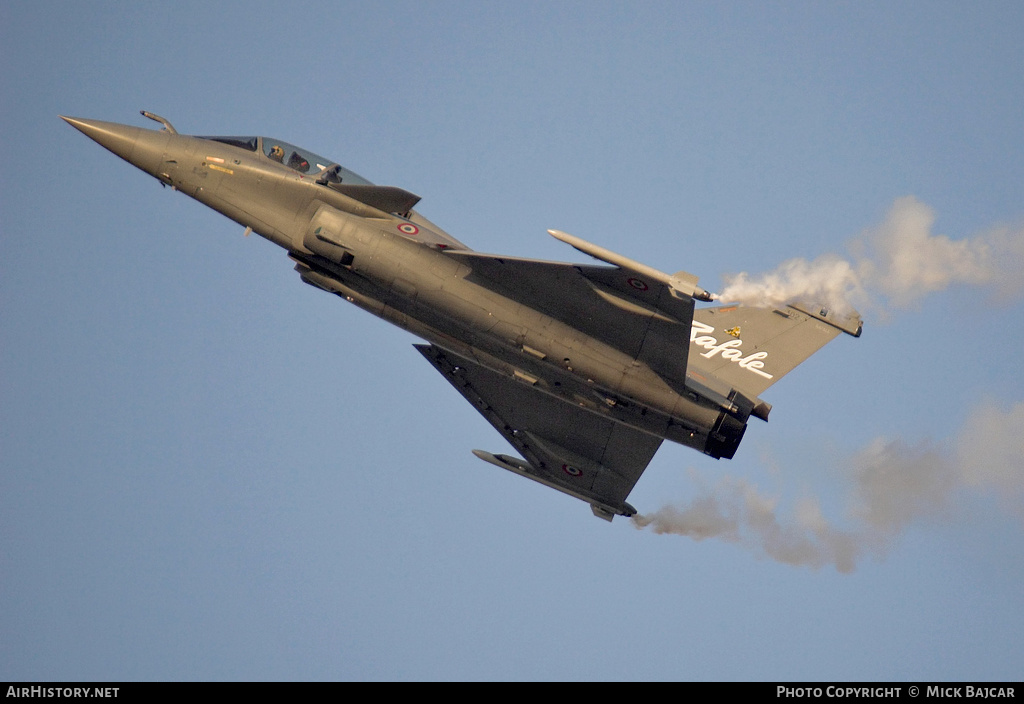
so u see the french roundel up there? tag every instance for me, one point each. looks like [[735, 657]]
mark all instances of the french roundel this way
[[407, 228], [572, 471], [638, 284]]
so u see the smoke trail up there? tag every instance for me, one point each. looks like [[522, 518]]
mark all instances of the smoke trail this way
[[893, 486], [735, 511], [990, 454], [900, 260]]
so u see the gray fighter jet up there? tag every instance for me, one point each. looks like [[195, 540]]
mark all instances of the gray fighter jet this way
[[583, 368]]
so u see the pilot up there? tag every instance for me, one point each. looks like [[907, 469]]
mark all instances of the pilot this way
[[277, 153]]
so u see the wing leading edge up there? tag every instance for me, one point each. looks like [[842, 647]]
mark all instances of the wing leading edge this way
[[565, 447]]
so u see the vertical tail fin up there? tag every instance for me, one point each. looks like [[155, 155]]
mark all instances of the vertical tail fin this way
[[752, 348]]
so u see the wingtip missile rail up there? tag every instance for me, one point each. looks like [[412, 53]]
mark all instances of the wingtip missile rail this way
[[602, 510], [679, 283]]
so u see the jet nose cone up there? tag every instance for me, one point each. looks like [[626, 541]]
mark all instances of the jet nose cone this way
[[119, 139], [77, 122]]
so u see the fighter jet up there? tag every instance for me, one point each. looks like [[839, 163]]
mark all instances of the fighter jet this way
[[583, 368]]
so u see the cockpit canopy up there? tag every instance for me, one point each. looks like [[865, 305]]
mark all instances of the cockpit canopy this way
[[293, 157], [247, 143]]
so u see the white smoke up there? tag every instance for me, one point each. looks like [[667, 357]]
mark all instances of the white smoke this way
[[893, 485], [900, 260], [828, 281], [990, 454]]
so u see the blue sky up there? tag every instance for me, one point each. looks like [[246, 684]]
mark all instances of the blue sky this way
[[211, 471]]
